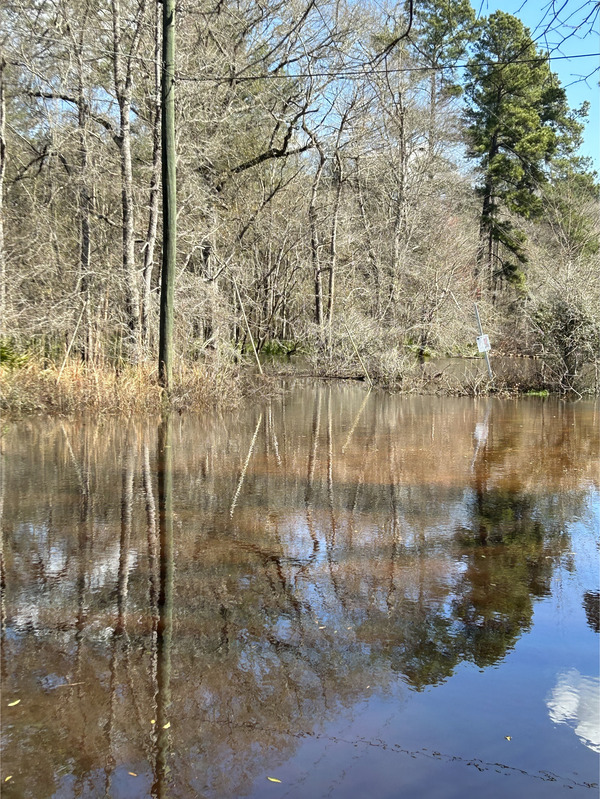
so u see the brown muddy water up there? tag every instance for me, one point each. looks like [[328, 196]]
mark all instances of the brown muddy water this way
[[334, 594]]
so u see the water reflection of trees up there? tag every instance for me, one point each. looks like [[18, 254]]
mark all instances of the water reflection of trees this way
[[591, 605], [366, 544]]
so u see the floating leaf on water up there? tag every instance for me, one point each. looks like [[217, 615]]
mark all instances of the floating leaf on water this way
[[273, 779], [12, 704], [508, 737], [132, 773], [8, 778], [322, 628], [152, 721], [167, 725]]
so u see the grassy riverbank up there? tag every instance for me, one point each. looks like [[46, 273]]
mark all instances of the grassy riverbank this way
[[73, 387], [33, 387]]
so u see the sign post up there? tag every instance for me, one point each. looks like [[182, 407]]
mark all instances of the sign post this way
[[483, 343]]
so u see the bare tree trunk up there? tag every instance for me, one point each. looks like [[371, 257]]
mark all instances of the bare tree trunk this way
[[150, 243], [133, 295], [400, 210], [333, 243], [338, 171], [431, 133], [85, 197], [315, 239], [122, 65], [375, 261]]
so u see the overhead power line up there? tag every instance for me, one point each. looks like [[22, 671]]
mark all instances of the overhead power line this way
[[365, 71]]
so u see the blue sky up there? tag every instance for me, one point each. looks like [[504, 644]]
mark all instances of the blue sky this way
[[569, 35]]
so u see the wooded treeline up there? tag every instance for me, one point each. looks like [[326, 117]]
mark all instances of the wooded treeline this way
[[342, 186]]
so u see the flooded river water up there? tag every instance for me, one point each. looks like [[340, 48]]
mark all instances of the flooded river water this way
[[331, 594]]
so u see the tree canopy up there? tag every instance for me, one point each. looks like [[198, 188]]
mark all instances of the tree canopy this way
[[518, 119], [322, 183]]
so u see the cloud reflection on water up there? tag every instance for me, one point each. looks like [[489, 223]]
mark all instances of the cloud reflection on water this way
[[575, 701]]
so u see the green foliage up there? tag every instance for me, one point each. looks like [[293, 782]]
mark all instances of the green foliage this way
[[278, 349], [10, 357], [443, 29], [518, 118], [570, 201], [513, 240], [506, 547], [571, 338], [441, 33]]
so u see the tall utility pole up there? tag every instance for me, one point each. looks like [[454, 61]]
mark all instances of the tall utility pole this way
[[169, 199], [2, 166]]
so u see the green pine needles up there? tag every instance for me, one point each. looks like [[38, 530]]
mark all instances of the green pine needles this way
[[518, 121]]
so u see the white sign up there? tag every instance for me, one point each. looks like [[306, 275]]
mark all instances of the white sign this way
[[483, 343]]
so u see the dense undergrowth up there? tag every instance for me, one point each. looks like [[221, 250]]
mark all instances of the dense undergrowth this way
[[30, 386], [74, 387]]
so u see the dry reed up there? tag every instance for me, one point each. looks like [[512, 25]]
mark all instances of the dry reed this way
[[76, 387]]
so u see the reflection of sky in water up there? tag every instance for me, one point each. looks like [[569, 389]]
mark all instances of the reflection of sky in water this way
[[575, 701], [105, 570], [379, 611]]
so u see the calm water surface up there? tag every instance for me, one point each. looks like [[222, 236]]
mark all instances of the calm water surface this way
[[356, 595]]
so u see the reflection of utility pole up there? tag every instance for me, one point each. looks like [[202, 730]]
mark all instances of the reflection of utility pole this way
[[85, 559], [165, 605], [2, 574]]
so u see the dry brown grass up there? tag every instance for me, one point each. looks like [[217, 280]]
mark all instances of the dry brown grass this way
[[37, 389]]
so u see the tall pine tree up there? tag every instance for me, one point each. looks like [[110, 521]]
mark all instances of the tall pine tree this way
[[518, 119], [440, 36]]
